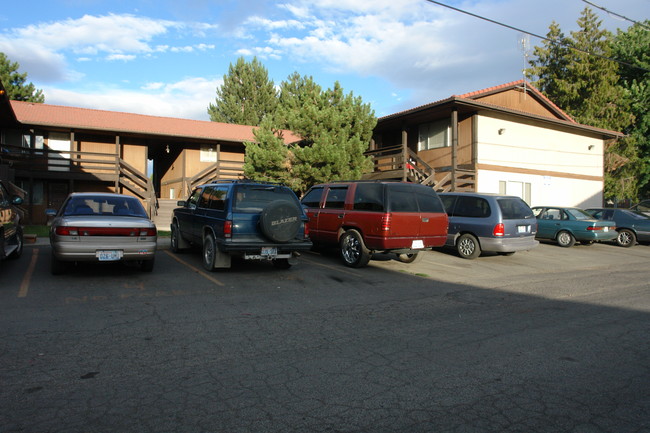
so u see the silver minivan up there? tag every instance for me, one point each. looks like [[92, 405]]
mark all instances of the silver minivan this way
[[488, 222]]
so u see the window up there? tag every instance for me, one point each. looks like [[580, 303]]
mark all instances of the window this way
[[514, 209], [208, 154], [434, 135], [312, 198], [218, 198], [336, 198], [518, 189], [428, 200], [369, 196], [402, 199], [194, 198], [472, 207]]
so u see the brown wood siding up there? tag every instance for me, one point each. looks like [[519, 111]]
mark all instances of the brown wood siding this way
[[518, 100], [136, 156]]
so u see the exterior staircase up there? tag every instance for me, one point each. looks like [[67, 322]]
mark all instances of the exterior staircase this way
[[163, 218]]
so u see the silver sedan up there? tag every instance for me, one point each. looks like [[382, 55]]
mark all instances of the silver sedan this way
[[101, 227]]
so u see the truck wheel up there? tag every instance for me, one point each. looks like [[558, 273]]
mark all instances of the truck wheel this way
[[178, 244], [209, 252], [280, 221], [353, 251]]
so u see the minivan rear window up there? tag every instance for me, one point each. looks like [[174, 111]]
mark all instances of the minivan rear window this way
[[513, 208]]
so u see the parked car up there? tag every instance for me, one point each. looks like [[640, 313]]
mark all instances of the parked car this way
[[242, 218], [101, 227], [11, 230], [643, 206], [631, 226], [488, 222], [366, 217], [566, 225]]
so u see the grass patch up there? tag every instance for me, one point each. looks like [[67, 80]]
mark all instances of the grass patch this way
[[38, 230]]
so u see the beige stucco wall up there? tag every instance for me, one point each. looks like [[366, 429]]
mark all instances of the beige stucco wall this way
[[537, 147], [563, 168]]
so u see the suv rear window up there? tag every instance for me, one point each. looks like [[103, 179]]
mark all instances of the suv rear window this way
[[369, 196], [514, 209], [253, 198], [413, 198]]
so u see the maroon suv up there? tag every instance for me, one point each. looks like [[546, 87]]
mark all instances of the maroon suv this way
[[365, 217]]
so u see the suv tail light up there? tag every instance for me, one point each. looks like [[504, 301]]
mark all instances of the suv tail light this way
[[499, 230], [385, 222], [227, 229], [306, 224]]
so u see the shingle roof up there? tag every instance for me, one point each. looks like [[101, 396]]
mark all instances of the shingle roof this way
[[118, 122]]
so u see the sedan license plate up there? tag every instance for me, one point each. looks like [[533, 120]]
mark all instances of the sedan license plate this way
[[523, 229], [269, 251], [108, 255]]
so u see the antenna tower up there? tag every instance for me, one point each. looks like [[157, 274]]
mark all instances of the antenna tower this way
[[524, 45]]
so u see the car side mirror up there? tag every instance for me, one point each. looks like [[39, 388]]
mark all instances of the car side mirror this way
[[17, 200], [181, 203], [50, 212]]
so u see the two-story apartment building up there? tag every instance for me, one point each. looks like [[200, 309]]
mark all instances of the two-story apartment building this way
[[505, 139]]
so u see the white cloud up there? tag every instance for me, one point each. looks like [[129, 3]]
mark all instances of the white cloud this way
[[42, 48], [188, 98]]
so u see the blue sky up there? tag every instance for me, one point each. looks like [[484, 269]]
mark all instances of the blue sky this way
[[167, 57]]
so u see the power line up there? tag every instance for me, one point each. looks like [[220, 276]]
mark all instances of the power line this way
[[614, 13], [537, 36]]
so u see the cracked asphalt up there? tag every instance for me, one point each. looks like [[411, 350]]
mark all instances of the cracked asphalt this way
[[551, 340]]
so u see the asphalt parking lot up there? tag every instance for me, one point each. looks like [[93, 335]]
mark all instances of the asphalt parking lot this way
[[548, 340]]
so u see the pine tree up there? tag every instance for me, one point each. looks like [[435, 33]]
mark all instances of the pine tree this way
[[632, 48], [335, 130], [15, 83], [246, 95], [577, 74]]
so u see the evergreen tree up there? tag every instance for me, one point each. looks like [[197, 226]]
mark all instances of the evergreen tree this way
[[577, 74], [15, 83], [632, 48], [335, 128], [246, 95]]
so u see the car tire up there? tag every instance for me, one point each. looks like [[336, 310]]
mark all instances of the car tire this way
[[409, 257], [19, 245], [147, 265], [177, 243], [209, 252], [626, 238], [468, 246], [282, 263], [280, 221], [565, 239], [352, 249], [57, 267]]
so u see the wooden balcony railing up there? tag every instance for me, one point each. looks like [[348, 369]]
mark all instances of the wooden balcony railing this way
[[56, 164]]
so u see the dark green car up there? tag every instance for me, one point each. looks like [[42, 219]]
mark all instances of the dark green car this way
[[566, 225]]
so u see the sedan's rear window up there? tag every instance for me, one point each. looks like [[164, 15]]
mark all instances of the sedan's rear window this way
[[104, 206], [514, 208]]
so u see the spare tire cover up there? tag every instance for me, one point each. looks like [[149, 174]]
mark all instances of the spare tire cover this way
[[280, 220]]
